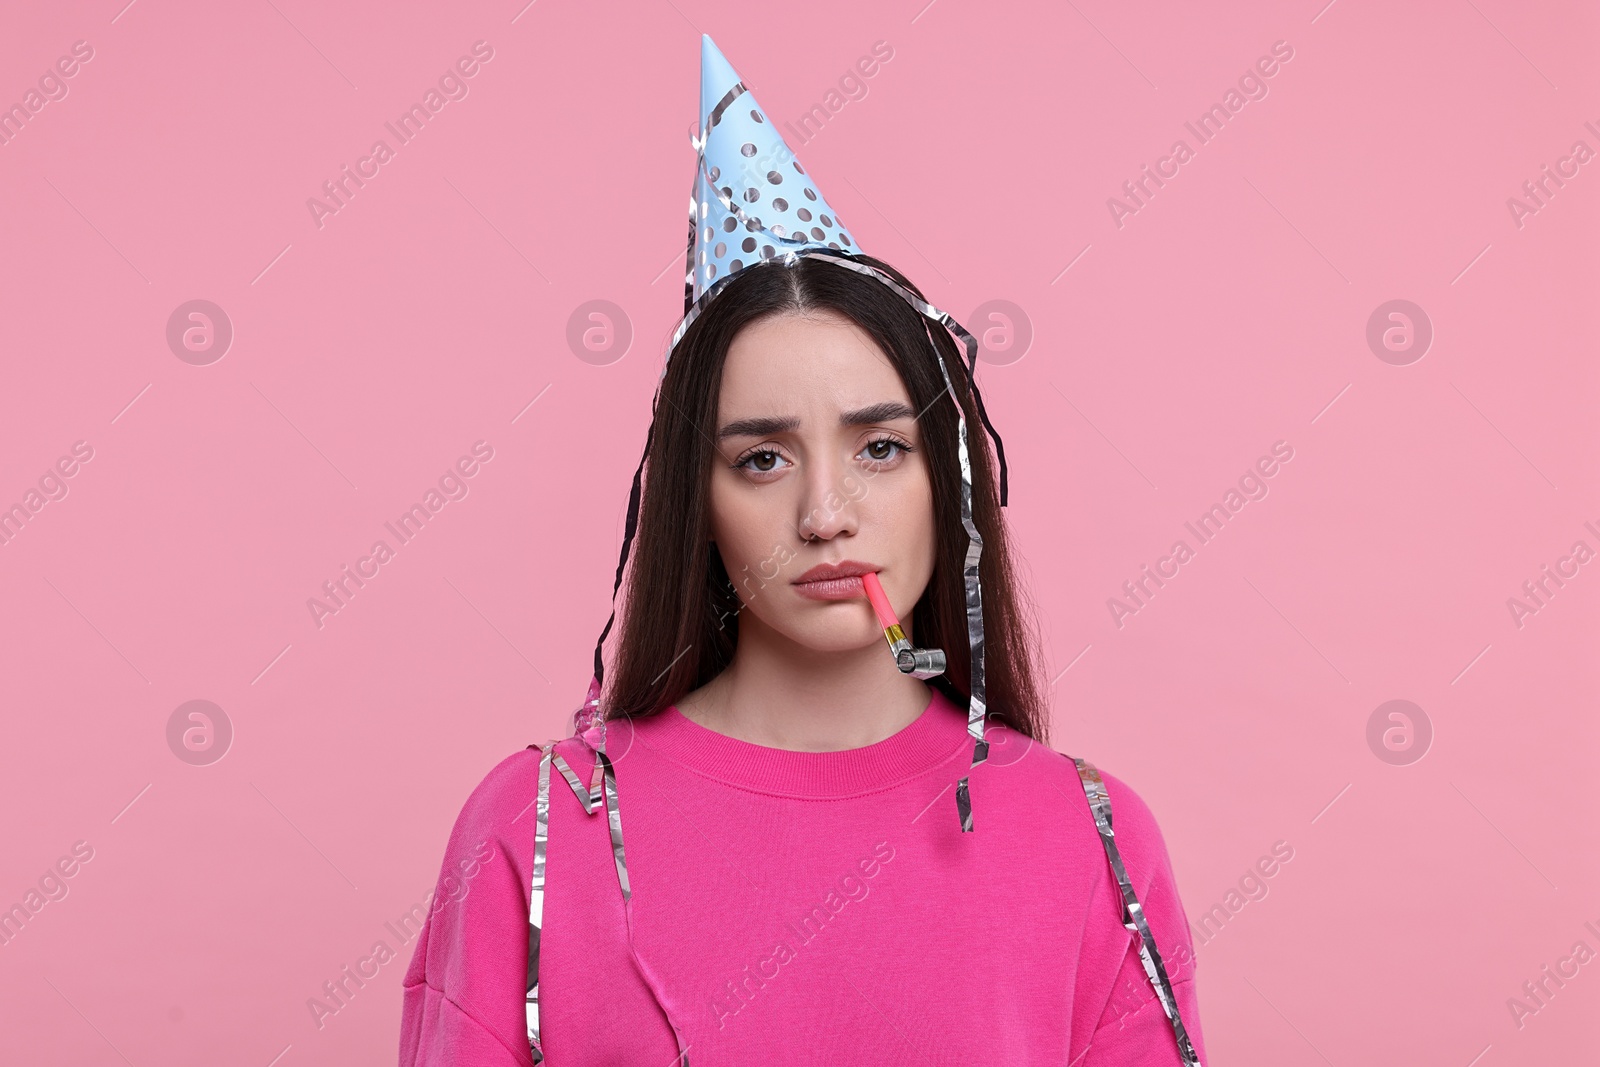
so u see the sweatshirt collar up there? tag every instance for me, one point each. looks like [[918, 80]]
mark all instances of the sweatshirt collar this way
[[936, 735]]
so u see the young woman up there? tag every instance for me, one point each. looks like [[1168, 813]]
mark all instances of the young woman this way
[[828, 856]]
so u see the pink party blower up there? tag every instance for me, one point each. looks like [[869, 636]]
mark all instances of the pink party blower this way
[[917, 662]]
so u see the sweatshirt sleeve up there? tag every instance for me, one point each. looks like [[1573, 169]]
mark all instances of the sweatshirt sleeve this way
[[463, 993], [1131, 1029]]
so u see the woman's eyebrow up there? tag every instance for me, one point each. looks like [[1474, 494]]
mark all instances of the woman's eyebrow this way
[[759, 426], [887, 411], [765, 425]]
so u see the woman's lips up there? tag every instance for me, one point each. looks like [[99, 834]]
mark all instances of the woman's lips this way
[[832, 588]]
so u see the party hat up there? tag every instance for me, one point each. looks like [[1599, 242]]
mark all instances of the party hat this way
[[752, 199]]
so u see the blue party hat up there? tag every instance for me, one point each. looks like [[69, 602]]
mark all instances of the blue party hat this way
[[752, 199]]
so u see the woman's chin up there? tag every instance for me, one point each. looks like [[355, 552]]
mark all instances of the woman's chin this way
[[837, 641], [828, 628]]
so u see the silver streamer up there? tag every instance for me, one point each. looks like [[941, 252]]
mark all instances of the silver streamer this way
[[541, 837], [577, 787], [586, 721], [1094, 787]]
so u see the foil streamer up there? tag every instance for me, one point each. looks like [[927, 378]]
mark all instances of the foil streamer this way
[[541, 837], [614, 819], [608, 776], [1094, 787], [578, 790]]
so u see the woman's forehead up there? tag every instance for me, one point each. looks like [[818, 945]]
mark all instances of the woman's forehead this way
[[819, 360]]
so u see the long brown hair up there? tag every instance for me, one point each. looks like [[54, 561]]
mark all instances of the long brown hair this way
[[680, 614]]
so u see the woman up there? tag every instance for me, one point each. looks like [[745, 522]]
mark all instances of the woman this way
[[792, 882]]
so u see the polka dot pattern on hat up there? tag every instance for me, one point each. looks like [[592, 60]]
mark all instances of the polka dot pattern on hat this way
[[746, 167]]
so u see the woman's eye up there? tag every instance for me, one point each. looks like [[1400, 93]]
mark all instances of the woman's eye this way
[[883, 450], [763, 461]]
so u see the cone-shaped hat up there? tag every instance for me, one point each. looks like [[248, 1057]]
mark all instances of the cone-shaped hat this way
[[752, 199]]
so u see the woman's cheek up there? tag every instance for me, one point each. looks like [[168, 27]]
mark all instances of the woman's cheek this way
[[744, 539]]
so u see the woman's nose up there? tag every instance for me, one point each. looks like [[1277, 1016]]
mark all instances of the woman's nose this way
[[826, 509]]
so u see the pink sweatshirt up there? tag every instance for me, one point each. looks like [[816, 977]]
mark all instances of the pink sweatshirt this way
[[802, 907]]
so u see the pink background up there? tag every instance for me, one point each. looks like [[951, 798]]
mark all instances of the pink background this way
[[1228, 313]]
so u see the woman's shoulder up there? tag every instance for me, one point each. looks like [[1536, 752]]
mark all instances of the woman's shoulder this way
[[463, 989], [1071, 780], [1132, 816], [502, 792], [503, 800]]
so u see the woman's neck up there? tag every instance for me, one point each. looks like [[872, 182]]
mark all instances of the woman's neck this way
[[777, 694]]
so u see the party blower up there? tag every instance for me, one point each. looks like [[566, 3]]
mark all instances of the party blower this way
[[917, 662]]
